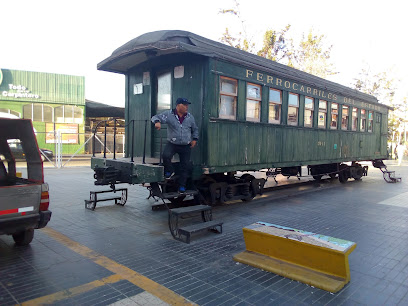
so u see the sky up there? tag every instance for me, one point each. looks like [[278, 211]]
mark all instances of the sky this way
[[72, 37]]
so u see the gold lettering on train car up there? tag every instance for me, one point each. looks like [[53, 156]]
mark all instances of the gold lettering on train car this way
[[349, 100], [299, 87]]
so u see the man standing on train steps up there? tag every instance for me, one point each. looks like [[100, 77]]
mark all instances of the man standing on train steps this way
[[182, 136]]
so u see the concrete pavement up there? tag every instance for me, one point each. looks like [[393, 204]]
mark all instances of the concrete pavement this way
[[126, 255]]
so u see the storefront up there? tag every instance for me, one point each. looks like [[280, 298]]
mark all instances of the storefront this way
[[54, 102]]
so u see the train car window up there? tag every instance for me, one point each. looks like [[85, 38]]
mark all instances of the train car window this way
[[163, 91], [293, 109], [370, 122], [275, 104], [354, 119], [322, 114], [309, 106], [334, 116], [253, 110], [228, 98], [344, 117], [363, 121]]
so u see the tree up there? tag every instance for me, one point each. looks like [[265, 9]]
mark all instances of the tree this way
[[379, 85], [382, 86], [313, 57], [277, 47], [310, 55], [242, 41]]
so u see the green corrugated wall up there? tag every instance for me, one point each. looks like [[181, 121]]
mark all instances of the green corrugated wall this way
[[52, 89]]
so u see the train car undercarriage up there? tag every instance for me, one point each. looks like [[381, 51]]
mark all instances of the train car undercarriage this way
[[218, 188]]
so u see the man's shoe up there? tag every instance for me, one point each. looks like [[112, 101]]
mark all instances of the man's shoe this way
[[168, 175], [182, 189]]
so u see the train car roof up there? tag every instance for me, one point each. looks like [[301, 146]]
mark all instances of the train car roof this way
[[158, 43]]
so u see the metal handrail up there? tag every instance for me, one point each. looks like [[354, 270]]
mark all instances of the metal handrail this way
[[114, 139], [144, 143], [93, 141]]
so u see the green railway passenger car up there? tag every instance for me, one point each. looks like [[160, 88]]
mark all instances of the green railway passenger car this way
[[252, 114]]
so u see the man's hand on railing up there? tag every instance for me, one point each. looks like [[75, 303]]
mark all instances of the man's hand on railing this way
[[157, 126]]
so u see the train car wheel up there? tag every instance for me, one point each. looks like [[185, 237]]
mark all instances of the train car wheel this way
[[359, 174], [317, 177], [343, 177], [248, 179], [249, 199]]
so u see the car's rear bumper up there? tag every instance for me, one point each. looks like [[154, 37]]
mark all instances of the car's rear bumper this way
[[18, 224]]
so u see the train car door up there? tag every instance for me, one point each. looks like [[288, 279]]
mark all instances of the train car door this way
[[161, 101]]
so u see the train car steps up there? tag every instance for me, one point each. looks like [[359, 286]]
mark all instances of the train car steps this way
[[209, 225], [184, 233], [120, 198], [389, 176]]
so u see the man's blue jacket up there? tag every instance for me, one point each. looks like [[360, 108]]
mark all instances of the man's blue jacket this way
[[178, 133]]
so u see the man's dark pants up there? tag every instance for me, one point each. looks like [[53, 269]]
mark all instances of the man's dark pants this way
[[184, 152]]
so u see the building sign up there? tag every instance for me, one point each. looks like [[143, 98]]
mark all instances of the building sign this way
[[18, 91], [68, 131]]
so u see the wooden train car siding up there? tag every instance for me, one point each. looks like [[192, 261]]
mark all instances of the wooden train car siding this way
[[309, 145], [142, 106], [238, 144]]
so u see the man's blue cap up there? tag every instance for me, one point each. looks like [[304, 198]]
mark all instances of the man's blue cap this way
[[182, 101]]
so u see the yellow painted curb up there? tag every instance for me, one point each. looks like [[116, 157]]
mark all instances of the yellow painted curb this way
[[314, 259]]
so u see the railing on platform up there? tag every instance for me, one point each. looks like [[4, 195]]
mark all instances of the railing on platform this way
[[132, 122]]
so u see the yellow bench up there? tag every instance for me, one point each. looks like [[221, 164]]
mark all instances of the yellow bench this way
[[314, 259]]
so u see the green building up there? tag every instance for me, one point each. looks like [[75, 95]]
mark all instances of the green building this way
[[54, 102]]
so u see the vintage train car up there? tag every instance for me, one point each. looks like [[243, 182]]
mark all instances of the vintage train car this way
[[252, 114]]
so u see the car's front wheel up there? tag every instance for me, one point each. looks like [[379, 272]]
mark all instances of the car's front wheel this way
[[24, 237]]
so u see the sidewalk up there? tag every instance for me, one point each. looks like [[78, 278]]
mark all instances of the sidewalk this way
[[370, 212]]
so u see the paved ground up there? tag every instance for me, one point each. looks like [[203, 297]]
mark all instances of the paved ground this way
[[126, 255]]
